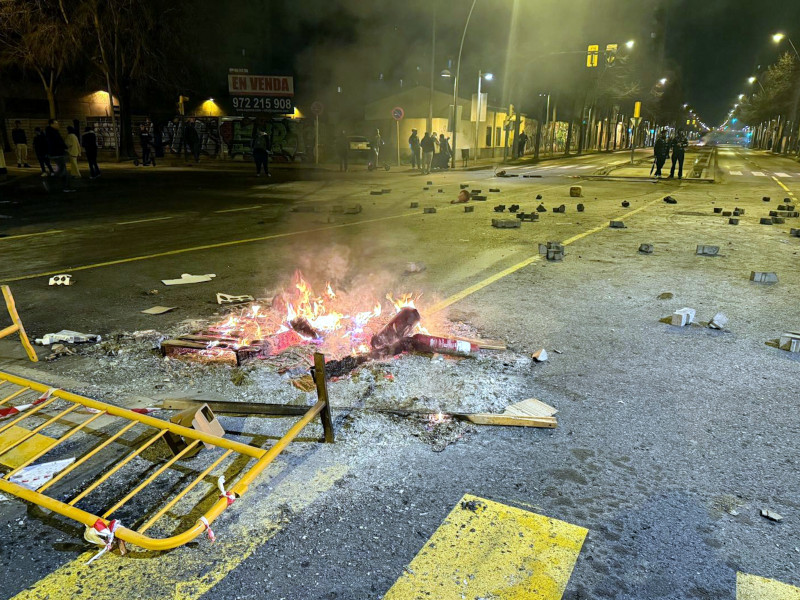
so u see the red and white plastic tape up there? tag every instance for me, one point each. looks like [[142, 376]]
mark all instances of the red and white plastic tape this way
[[102, 535], [15, 410]]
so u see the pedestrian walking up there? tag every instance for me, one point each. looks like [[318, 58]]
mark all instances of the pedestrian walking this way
[[521, 144], [40, 150], [146, 142], [377, 145], [413, 144], [260, 148], [677, 147], [73, 151], [191, 141], [57, 152], [20, 139], [427, 146], [89, 143], [660, 152], [342, 150]]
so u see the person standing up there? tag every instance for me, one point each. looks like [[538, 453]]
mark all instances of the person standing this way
[[146, 142], [413, 144], [660, 152], [40, 149], [73, 151], [678, 146], [20, 139], [521, 144], [89, 143], [342, 150], [192, 141], [427, 152], [57, 151], [377, 144], [443, 158], [260, 148]]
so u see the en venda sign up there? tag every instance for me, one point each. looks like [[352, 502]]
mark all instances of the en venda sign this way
[[260, 85]]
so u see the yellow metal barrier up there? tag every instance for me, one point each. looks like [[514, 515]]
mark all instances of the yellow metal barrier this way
[[263, 457]]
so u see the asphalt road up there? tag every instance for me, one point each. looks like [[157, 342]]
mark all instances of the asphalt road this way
[[670, 441]]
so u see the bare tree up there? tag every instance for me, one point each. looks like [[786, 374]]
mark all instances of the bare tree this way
[[34, 37]]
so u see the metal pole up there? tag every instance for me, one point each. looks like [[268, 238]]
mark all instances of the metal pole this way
[[455, 86], [316, 139], [478, 115], [398, 142], [433, 67], [633, 141]]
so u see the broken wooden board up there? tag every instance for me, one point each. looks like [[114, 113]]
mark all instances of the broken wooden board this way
[[530, 408], [510, 420], [485, 344], [158, 310]]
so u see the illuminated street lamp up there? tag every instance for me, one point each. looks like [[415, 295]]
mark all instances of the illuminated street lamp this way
[[662, 81], [779, 37], [481, 77], [629, 44], [741, 96], [753, 79]]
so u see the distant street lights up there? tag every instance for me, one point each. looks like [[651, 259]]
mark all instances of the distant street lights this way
[[629, 44], [663, 81], [481, 77], [753, 79], [779, 37]]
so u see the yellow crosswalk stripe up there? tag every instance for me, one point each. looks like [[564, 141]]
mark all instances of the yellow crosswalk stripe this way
[[485, 549], [753, 587]]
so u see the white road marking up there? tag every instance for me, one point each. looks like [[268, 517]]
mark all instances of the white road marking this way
[[782, 174], [567, 167], [758, 173], [145, 220], [735, 172], [587, 167], [227, 210]]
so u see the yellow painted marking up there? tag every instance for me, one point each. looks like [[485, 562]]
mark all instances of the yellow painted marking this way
[[27, 235], [227, 210], [145, 220], [189, 573], [753, 587], [780, 183], [496, 551], [530, 260]]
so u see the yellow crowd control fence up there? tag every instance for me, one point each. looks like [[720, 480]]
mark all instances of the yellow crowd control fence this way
[[30, 410]]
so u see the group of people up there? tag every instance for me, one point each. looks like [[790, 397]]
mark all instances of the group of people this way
[[430, 152], [57, 155], [664, 148]]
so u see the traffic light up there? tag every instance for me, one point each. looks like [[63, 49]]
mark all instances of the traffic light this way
[[611, 54], [592, 53]]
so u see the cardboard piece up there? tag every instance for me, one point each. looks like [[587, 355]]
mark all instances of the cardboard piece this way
[[229, 299], [201, 419], [158, 310], [186, 278]]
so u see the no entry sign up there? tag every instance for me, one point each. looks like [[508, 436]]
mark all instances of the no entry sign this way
[[398, 113]]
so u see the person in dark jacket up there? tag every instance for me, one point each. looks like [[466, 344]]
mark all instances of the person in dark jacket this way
[[89, 143], [146, 142], [57, 151], [260, 147], [191, 140], [20, 139], [660, 152], [677, 146], [40, 149], [342, 150], [413, 144], [427, 146], [521, 144]]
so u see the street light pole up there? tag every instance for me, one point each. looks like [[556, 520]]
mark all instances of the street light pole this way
[[478, 116], [455, 87]]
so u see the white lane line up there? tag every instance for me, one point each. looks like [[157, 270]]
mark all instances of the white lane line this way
[[758, 173], [735, 172], [227, 210], [567, 167], [783, 175], [145, 220], [587, 167], [27, 235]]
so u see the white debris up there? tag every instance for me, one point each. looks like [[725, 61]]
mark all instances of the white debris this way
[[35, 476], [229, 299], [61, 280], [718, 321], [70, 337], [683, 317], [187, 278], [540, 355]]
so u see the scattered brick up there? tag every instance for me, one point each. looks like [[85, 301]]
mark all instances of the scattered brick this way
[[646, 248], [765, 198], [778, 220], [717, 209], [429, 210], [414, 205], [576, 191], [765, 221], [560, 209], [469, 209], [617, 225], [494, 190], [733, 221], [670, 200], [625, 204], [500, 208], [541, 208], [506, 223], [683, 317], [707, 250], [580, 207], [764, 276], [727, 213], [513, 208]]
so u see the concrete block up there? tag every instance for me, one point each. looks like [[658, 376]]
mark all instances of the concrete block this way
[[353, 209], [463, 186], [765, 198], [513, 208], [790, 341], [733, 221], [764, 276], [707, 250], [494, 190], [773, 213], [783, 207], [469, 209], [616, 225], [737, 212], [778, 220], [441, 190], [765, 221], [670, 200], [560, 209], [375, 193], [500, 208], [580, 207], [794, 232], [541, 208], [429, 210], [414, 205], [727, 213], [718, 321], [683, 317], [528, 216], [479, 198], [538, 196], [200, 419], [552, 251], [717, 209], [506, 223], [576, 191], [740, 210], [426, 188], [646, 248], [475, 192], [625, 204], [428, 183]]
